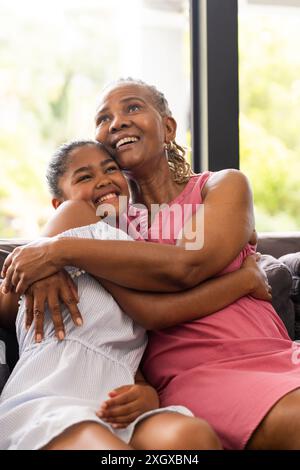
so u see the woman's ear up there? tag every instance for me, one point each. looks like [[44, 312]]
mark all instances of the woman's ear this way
[[170, 129], [56, 202]]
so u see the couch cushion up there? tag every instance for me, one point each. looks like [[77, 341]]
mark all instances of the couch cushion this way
[[4, 371], [3, 255], [8, 340], [280, 279], [9, 354], [278, 243], [292, 260]]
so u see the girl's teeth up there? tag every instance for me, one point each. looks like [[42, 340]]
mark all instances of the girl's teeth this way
[[107, 196]]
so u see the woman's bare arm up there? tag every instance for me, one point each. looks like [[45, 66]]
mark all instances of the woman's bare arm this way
[[160, 310], [228, 226], [156, 311]]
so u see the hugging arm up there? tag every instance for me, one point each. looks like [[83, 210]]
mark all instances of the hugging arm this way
[[49, 291], [156, 311], [8, 310], [227, 204], [161, 310]]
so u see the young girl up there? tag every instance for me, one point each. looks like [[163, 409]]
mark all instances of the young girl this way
[[52, 398]]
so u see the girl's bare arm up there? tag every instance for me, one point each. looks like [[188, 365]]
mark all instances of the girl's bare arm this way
[[8, 309], [156, 311]]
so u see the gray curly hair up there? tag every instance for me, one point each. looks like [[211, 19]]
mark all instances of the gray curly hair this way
[[180, 168]]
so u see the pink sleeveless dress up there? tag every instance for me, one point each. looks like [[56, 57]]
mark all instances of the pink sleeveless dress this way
[[230, 367]]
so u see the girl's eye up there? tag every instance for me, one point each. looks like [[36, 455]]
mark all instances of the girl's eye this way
[[133, 107], [83, 178], [111, 169]]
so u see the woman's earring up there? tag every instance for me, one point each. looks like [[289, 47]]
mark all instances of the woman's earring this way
[[167, 149]]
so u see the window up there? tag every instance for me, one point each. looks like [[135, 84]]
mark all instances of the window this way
[[269, 88], [215, 84], [55, 56], [248, 112]]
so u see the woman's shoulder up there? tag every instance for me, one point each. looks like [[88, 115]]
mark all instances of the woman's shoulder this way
[[228, 174], [225, 180]]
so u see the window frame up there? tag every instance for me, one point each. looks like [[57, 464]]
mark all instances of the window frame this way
[[214, 84]]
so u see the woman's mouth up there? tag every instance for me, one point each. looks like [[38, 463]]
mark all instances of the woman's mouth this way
[[125, 142]]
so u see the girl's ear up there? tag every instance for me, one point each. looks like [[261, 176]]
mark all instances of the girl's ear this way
[[56, 202], [170, 129]]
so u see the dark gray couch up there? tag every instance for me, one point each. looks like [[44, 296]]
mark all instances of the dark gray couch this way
[[281, 261]]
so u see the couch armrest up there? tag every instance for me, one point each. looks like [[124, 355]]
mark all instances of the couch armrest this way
[[8, 244]]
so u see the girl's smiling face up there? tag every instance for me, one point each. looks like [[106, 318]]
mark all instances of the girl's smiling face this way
[[129, 124], [93, 176]]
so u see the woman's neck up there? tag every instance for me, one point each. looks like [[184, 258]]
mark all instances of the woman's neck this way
[[156, 188]]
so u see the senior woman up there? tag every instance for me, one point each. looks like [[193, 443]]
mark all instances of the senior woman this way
[[233, 368]]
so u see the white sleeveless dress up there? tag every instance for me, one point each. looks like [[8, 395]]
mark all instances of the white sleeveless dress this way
[[56, 384]]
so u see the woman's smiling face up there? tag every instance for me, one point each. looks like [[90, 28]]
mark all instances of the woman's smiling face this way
[[129, 124]]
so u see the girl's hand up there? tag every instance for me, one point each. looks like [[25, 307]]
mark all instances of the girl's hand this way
[[54, 290], [261, 288], [29, 263], [126, 403]]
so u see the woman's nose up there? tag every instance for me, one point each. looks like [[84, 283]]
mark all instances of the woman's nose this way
[[118, 122]]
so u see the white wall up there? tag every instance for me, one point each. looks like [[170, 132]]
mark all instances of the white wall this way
[[154, 47]]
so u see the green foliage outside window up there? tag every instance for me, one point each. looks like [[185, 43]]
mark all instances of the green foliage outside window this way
[[270, 116]]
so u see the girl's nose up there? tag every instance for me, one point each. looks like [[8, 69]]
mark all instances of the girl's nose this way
[[103, 181]]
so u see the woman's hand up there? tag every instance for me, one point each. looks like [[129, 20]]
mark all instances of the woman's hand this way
[[126, 403], [261, 288], [29, 263], [53, 290]]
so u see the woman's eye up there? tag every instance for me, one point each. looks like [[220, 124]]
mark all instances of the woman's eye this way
[[134, 107], [102, 119]]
